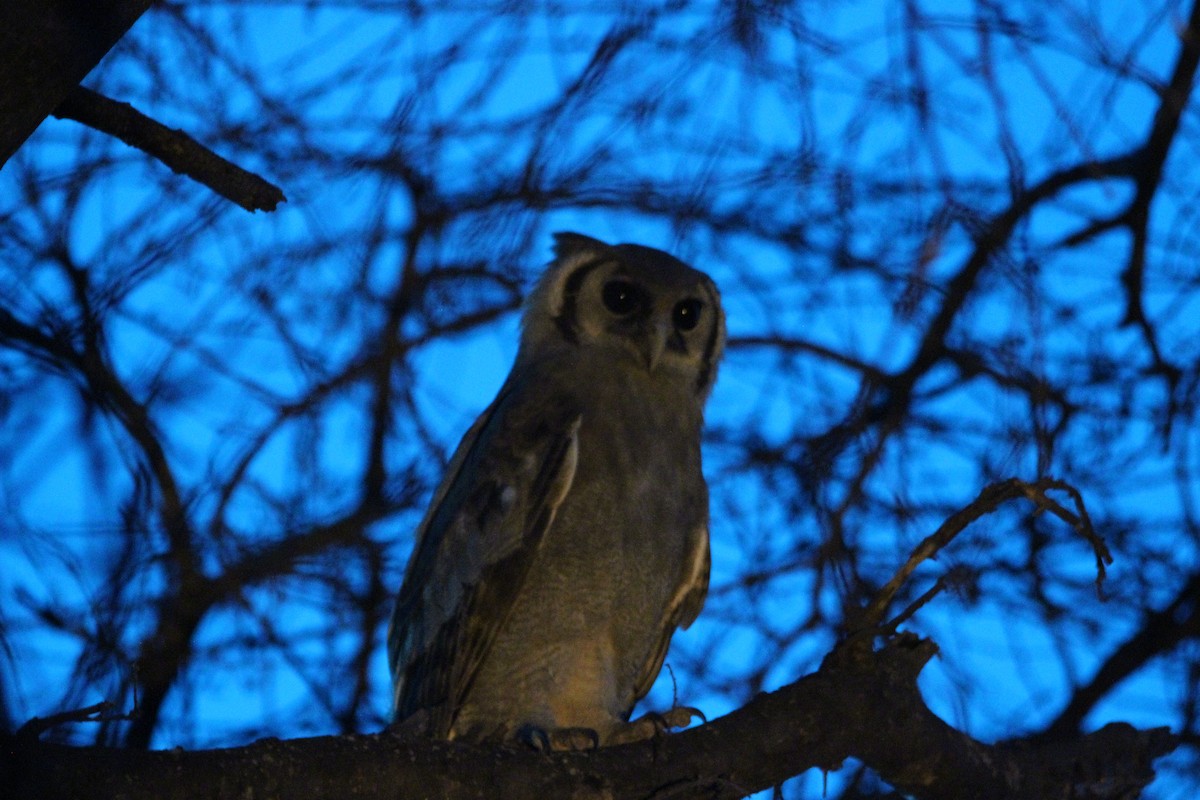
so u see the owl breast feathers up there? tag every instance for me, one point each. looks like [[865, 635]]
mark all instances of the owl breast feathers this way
[[569, 536]]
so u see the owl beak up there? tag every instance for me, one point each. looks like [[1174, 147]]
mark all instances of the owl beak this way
[[656, 343]]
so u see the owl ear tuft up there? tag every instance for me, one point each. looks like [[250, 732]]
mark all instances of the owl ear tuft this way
[[571, 246], [555, 291]]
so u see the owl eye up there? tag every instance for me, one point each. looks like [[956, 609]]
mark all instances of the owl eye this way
[[621, 297], [686, 314]]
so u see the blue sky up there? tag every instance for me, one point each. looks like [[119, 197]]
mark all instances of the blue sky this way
[[344, 71]]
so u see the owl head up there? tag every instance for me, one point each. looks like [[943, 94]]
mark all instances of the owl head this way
[[643, 307]]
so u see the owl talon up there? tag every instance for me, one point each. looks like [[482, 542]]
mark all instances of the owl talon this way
[[682, 716], [534, 737], [653, 723], [556, 739]]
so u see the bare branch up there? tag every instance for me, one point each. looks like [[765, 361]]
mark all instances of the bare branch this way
[[859, 704], [176, 149], [103, 711], [1160, 631], [988, 501], [1153, 155]]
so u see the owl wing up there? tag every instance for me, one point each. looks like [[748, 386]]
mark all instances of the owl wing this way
[[474, 548], [682, 609]]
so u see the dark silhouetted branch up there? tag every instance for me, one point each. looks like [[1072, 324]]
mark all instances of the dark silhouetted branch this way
[[172, 147], [988, 501], [861, 703]]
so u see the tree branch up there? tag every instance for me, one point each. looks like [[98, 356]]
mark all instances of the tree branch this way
[[1153, 155], [176, 149], [1160, 632], [861, 703], [990, 499]]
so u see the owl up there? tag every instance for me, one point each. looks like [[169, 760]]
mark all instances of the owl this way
[[569, 537]]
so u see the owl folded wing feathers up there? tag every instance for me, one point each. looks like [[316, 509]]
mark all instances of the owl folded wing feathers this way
[[473, 551], [683, 607]]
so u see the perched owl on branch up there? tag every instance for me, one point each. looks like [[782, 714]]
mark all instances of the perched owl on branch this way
[[569, 536]]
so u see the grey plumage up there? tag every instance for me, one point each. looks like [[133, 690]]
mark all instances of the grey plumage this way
[[569, 537]]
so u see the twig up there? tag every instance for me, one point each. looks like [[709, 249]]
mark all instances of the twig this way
[[674, 687], [172, 147], [99, 712], [1080, 521], [988, 501], [933, 591]]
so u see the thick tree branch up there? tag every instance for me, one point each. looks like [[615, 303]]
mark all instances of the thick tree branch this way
[[861, 703], [176, 149]]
